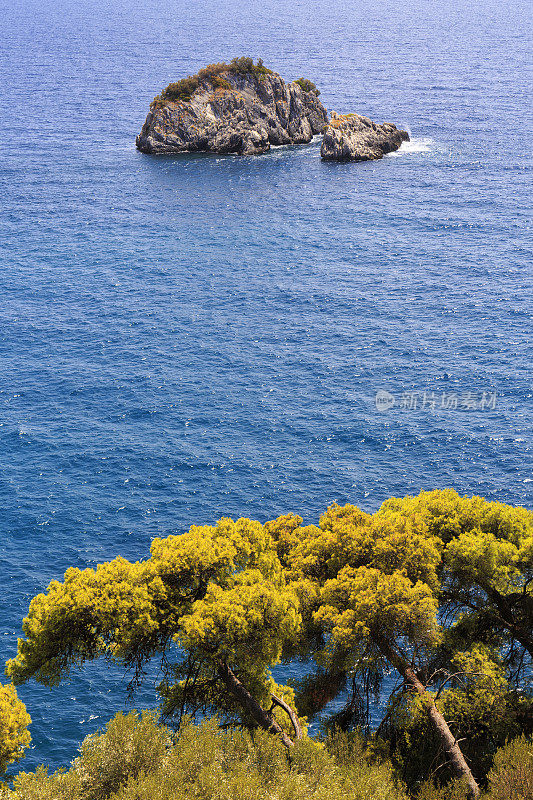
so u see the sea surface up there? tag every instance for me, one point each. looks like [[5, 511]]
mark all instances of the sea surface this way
[[194, 337]]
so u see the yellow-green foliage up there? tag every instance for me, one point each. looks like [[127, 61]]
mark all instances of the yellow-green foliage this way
[[511, 777], [130, 746], [363, 578], [477, 696], [217, 591], [40, 785], [14, 721], [487, 562], [189, 588], [135, 759], [434, 579], [454, 790], [349, 536], [483, 539], [362, 604], [246, 623], [100, 610]]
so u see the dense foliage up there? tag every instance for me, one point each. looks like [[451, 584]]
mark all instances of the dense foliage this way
[[135, 758], [14, 721], [511, 777], [437, 589]]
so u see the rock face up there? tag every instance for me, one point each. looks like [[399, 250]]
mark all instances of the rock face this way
[[350, 137], [230, 112]]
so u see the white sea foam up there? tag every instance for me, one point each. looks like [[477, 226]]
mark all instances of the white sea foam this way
[[418, 145], [316, 138]]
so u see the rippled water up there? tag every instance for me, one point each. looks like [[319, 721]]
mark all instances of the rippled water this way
[[186, 338]]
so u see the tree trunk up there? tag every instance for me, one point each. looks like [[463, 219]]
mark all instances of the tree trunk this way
[[278, 701], [437, 721], [245, 699]]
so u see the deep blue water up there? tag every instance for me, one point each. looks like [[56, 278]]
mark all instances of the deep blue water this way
[[187, 338]]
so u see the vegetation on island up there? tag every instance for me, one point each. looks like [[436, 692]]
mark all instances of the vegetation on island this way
[[435, 590], [185, 88], [307, 86]]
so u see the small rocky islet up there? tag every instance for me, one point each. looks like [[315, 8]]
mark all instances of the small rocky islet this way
[[245, 108]]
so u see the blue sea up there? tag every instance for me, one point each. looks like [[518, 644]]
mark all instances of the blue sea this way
[[194, 337]]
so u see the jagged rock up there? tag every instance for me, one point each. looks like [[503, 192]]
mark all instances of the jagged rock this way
[[233, 112], [350, 137]]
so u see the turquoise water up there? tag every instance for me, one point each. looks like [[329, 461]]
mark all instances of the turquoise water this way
[[187, 338]]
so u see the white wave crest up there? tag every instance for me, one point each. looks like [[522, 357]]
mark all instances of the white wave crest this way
[[417, 145]]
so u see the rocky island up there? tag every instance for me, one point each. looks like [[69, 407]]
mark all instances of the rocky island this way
[[240, 107], [350, 137], [245, 108]]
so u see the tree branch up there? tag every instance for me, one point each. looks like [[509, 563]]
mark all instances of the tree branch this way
[[278, 701]]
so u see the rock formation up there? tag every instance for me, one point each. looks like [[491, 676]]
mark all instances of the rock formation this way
[[237, 108], [350, 137]]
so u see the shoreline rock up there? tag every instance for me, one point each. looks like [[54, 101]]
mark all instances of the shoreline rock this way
[[351, 137], [238, 108]]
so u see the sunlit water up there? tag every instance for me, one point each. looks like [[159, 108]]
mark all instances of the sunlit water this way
[[186, 338]]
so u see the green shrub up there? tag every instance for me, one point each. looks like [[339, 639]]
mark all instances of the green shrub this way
[[14, 720], [511, 777], [134, 759], [245, 65], [220, 83], [212, 70], [182, 90], [371, 776], [130, 745], [39, 785], [242, 65], [307, 86], [211, 764]]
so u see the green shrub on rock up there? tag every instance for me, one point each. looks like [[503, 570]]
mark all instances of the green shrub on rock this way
[[245, 65], [307, 86], [181, 90]]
